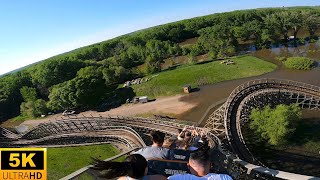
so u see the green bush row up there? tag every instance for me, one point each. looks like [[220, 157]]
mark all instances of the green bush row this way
[[302, 63]]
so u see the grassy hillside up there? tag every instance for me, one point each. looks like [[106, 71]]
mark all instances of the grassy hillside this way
[[63, 161], [170, 82]]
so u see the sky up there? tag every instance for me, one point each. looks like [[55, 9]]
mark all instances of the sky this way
[[34, 30]]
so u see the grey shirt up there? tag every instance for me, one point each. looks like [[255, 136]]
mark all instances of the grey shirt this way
[[151, 152]]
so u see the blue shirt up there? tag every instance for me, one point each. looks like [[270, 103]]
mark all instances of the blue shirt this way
[[210, 176]]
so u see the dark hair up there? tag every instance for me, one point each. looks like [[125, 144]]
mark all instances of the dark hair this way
[[179, 131], [201, 155], [134, 166], [157, 137], [188, 133]]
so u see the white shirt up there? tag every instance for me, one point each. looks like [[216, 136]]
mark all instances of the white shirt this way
[[210, 176]]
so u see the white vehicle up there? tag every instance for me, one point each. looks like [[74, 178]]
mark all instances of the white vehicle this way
[[68, 112], [143, 99]]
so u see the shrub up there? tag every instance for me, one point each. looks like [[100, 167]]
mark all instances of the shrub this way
[[275, 125], [171, 62], [196, 50], [301, 41], [33, 108], [185, 51], [192, 60], [281, 58], [212, 55], [298, 63]]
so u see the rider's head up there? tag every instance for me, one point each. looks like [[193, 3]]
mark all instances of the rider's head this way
[[157, 137], [199, 162]]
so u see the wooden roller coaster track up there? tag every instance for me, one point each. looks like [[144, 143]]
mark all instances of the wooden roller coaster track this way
[[224, 122]]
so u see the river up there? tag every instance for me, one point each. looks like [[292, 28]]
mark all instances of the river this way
[[292, 159], [211, 94]]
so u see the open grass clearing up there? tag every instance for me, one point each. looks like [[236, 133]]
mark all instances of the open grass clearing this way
[[65, 160], [170, 82], [16, 121]]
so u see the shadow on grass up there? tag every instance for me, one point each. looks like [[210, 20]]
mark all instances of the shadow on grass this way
[[171, 68], [179, 65], [205, 62], [307, 130]]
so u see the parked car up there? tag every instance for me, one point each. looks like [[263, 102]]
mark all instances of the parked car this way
[[69, 112], [141, 99]]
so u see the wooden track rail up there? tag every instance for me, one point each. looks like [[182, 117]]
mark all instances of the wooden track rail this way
[[257, 93], [232, 157]]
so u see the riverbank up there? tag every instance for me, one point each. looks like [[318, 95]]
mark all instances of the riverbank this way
[[170, 82]]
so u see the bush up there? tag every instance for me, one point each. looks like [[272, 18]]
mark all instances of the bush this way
[[33, 108], [212, 55], [185, 51], [192, 60], [196, 50], [281, 58], [275, 125], [298, 63]]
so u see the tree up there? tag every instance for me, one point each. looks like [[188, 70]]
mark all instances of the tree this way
[[115, 61], [34, 108], [275, 125], [311, 22], [175, 50], [10, 96], [28, 93], [152, 65], [63, 96], [196, 50], [248, 29], [115, 75], [55, 71], [90, 72], [175, 33], [77, 93], [89, 92], [218, 38], [279, 22], [296, 22]]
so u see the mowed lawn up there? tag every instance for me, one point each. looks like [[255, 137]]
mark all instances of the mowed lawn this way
[[170, 82], [65, 160]]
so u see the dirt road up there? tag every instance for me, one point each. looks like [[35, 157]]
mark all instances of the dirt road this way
[[167, 105]]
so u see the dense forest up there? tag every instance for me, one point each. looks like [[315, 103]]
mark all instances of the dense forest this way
[[89, 77]]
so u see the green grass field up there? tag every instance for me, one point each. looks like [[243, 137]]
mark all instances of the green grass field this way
[[170, 82], [16, 121], [63, 161]]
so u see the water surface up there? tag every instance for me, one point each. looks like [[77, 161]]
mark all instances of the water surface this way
[[211, 94]]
